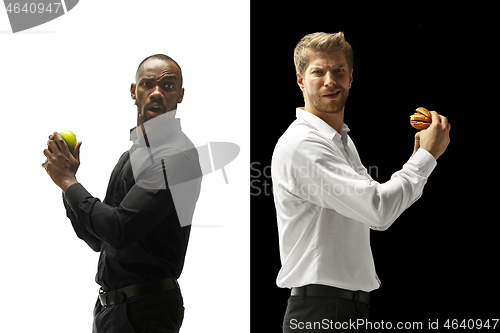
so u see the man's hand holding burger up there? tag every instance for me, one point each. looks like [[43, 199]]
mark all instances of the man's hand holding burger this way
[[436, 136]]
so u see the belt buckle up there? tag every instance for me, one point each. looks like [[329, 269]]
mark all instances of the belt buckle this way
[[102, 297]]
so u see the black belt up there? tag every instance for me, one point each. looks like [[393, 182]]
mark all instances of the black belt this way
[[317, 290], [120, 295]]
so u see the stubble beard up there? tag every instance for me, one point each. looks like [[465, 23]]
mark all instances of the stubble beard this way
[[141, 111], [142, 120], [329, 106], [141, 117]]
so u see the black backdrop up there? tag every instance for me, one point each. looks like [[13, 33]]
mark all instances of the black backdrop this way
[[439, 260]]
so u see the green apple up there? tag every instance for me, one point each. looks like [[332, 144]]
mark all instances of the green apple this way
[[70, 139]]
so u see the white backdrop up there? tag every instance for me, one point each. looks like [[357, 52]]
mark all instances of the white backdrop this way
[[74, 73]]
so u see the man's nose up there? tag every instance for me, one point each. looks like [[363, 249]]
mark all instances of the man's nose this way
[[329, 79], [156, 94]]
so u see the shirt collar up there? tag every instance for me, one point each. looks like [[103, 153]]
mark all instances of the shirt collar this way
[[159, 127], [321, 126]]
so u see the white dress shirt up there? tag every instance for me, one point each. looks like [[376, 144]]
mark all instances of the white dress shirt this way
[[326, 203]]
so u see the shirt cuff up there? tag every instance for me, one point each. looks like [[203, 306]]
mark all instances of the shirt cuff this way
[[424, 162], [75, 194]]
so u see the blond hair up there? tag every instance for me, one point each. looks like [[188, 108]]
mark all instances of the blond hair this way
[[320, 41]]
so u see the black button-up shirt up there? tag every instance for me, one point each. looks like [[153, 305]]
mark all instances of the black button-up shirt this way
[[142, 227]]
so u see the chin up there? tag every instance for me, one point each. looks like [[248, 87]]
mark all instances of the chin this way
[[337, 110], [143, 118], [329, 108]]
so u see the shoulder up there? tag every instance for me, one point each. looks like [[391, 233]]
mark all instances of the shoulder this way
[[301, 137]]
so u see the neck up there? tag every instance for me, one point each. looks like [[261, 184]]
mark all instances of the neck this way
[[335, 120], [141, 121]]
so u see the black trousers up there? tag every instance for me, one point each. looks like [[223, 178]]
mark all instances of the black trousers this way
[[325, 314], [156, 313]]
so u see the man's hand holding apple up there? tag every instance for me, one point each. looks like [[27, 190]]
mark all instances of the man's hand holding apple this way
[[61, 164]]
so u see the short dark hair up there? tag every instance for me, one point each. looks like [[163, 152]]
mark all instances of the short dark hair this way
[[161, 57]]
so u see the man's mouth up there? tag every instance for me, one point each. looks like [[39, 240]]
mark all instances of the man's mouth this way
[[332, 95], [154, 110]]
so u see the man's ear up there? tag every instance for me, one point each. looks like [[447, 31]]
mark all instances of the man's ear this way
[[132, 90], [350, 79], [181, 96], [300, 81]]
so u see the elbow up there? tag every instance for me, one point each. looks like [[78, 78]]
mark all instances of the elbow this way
[[380, 219], [116, 232], [381, 224], [122, 238], [96, 249], [95, 246]]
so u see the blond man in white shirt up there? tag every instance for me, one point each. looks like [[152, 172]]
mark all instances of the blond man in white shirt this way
[[326, 202]]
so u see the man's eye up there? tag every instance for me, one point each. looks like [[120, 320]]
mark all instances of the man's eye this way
[[146, 84], [340, 70], [169, 86]]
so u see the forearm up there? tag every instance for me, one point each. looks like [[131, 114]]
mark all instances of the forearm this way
[[392, 198], [81, 232], [335, 185], [119, 227], [403, 189]]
